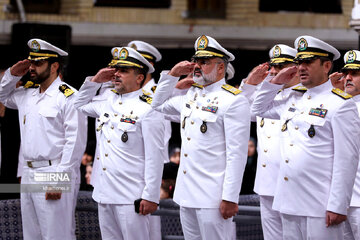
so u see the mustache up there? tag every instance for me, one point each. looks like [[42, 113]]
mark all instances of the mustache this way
[[198, 70], [348, 82]]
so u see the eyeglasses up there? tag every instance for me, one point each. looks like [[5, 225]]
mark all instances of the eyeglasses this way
[[204, 61]]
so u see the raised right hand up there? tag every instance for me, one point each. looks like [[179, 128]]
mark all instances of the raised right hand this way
[[285, 75], [337, 80], [182, 68], [104, 75], [20, 68], [258, 74]]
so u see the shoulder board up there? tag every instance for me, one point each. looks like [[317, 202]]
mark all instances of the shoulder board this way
[[341, 93], [300, 89], [197, 85], [231, 89], [114, 91], [30, 84], [153, 89], [145, 92], [66, 90], [146, 98]]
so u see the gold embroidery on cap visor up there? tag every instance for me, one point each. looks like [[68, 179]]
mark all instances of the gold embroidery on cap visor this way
[[203, 53], [304, 55], [40, 56], [123, 63], [352, 66], [146, 56], [280, 60]]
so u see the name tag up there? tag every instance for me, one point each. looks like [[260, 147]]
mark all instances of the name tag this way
[[319, 112]]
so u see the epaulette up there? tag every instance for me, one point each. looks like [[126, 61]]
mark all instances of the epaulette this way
[[114, 91], [300, 89], [146, 98], [231, 89], [145, 92], [31, 84], [153, 89], [66, 90], [341, 93], [197, 85]]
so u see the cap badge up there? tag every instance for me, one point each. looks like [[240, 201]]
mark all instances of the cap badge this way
[[277, 51], [302, 44], [351, 57], [133, 46], [123, 54], [116, 53], [35, 46], [202, 43]]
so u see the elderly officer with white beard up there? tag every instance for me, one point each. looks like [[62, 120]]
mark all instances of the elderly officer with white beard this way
[[215, 124], [319, 145], [351, 73], [131, 146]]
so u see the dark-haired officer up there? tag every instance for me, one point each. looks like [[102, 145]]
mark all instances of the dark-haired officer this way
[[131, 146], [53, 137], [319, 144]]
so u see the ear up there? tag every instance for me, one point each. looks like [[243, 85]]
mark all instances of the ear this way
[[54, 67], [221, 68], [327, 67], [139, 78]]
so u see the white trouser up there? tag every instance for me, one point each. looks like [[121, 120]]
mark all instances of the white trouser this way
[[310, 228], [270, 219], [121, 222], [45, 219], [352, 224], [205, 224], [73, 225], [155, 228]]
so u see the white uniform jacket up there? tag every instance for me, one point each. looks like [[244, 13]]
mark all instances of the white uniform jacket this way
[[212, 163], [355, 199], [50, 126], [268, 162], [131, 169], [316, 173]]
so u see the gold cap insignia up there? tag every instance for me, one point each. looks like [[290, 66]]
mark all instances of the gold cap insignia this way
[[202, 43], [35, 46], [302, 44], [277, 51], [123, 54], [351, 57], [133, 46]]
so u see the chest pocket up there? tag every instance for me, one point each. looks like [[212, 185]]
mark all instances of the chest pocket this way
[[207, 116], [186, 112], [314, 120], [48, 112], [127, 127]]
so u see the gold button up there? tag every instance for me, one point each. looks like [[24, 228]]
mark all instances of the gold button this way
[[104, 169], [120, 103], [264, 165], [291, 144], [302, 112], [293, 104], [287, 160], [115, 114], [108, 141], [106, 154], [197, 107], [265, 150], [192, 122], [285, 178], [204, 95], [184, 171], [112, 127], [309, 97], [97, 158], [272, 122], [185, 154], [268, 136], [188, 139], [296, 127]]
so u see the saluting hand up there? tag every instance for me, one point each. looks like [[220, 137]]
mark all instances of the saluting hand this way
[[337, 80], [182, 68], [20, 68], [258, 74], [228, 209], [104, 75], [147, 207], [285, 75]]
